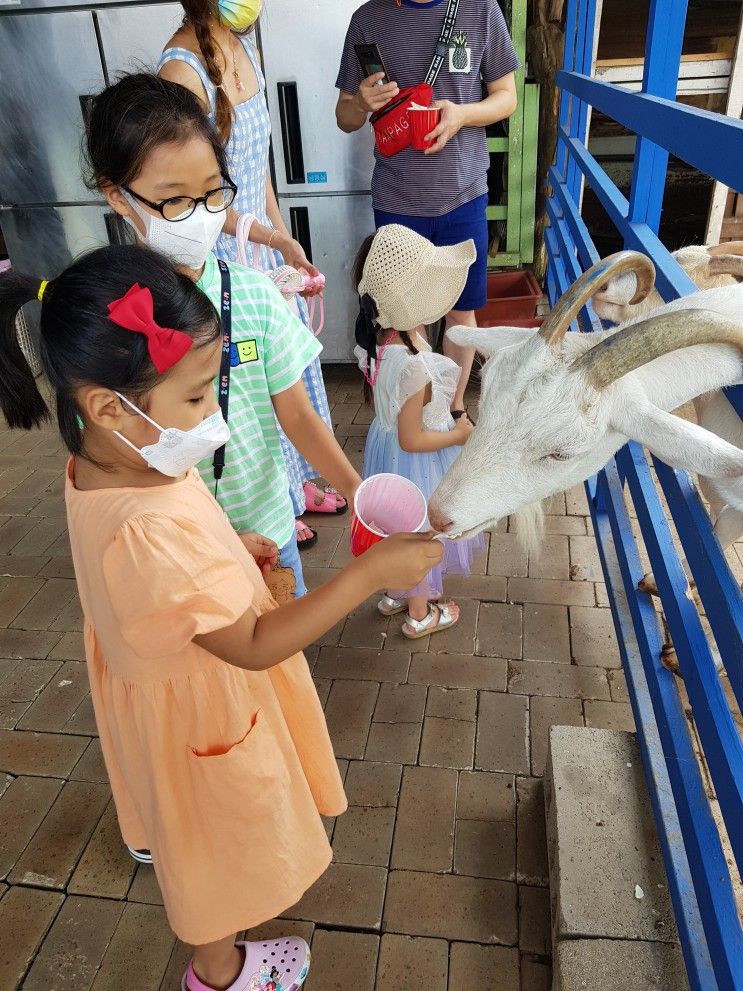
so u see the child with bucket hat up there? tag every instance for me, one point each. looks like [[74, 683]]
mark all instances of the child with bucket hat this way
[[405, 282]]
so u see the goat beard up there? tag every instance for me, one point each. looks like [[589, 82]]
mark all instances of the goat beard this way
[[529, 526]]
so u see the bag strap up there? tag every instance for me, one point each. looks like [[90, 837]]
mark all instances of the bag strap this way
[[226, 364], [442, 45]]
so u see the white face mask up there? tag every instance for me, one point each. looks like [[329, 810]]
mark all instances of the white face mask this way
[[186, 242], [176, 450]]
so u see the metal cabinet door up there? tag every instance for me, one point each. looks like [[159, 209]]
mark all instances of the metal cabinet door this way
[[48, 62], [132, 38], [42, 240], [302, 45], [332, 228]]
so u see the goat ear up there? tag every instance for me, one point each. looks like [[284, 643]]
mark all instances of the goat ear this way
[[678, 442], [489, 340]]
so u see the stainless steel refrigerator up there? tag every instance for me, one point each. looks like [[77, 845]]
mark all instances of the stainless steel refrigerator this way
[[322, 175]]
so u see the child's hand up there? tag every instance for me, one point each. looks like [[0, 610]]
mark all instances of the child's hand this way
[[463, 429], [265, 551], [402, 560]]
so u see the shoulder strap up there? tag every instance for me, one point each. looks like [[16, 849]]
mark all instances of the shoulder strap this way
[[183, 55], [442, 46]]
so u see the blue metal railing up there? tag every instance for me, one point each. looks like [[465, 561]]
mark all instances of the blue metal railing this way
[[698, 873]]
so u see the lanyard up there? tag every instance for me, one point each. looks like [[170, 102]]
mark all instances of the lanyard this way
[[224, 368]]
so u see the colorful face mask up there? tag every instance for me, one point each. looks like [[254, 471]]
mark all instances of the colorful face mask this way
[[239, 14]]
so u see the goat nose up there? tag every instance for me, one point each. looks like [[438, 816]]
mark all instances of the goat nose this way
[[438, 522]]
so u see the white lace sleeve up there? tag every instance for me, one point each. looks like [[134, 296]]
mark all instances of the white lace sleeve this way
[[420, 370]]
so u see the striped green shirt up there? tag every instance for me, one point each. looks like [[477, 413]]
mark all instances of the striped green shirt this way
[[271, 348]]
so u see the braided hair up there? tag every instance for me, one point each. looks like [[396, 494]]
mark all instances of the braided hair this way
[[199, 15]]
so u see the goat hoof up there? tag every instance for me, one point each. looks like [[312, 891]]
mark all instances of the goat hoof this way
[[647, 584], [669, 659]]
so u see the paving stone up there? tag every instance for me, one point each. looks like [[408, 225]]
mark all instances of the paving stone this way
[[90, 767], [14, 530], [400, 704], [451, 906], [458, 671], [342, 960], [364, 836], [447, 743], [51, 856], [59, 700], [499, 630], [394, 742], [535, 933], [452, 703], [26, 643], [545, 713], [531, 832], [71, 618], [585, 564], [43, 754], [12, 565], [15, 595], [364, 628], [277, 928], [576, 503], [23, 805], [459, 639], [557, 680], [366, 665], [485, 849], [25, 917], [46, 605], [600, 824], [602, 597], [503, 733], [618, 686], [424, 833], [72, 952], [69, 648], [372, 784], [348, 713], [536, 975], [610, 715], [553, 558], [58, 567], [82, 721], [546, 633], [507, 556], [593, 637], [105, 869], [24, 682], [559, 593], [619, 965], [179, 959], [485, 588], [347, 895], [413, 964], [322, 687], [145, 888], [483, 795], [569, 525], [487, 967], [39, 539], [143, 935]]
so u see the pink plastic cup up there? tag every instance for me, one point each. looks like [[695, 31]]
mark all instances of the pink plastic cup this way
[[385, 504], [422, 122]]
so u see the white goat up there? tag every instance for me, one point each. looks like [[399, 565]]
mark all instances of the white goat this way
[[555, 407]]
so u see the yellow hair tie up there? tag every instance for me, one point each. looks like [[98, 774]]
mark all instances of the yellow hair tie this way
[[42, 290]]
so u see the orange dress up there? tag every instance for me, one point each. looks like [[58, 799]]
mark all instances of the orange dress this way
[[219, 771]]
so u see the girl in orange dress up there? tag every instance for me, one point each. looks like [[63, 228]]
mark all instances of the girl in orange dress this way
[[212, 732]]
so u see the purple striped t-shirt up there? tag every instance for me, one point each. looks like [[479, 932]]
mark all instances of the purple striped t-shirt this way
[[480, 51]]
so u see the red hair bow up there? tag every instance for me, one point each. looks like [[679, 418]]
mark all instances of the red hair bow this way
[[135, 311]]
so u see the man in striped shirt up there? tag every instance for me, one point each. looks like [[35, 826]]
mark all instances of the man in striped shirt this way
[[440, 193]]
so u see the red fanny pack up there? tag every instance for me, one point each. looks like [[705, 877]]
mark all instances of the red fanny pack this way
[[390, 123]]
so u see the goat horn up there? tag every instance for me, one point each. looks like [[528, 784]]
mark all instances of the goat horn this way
[[726, 248], [727, 264], [642, 342], [572, 302]]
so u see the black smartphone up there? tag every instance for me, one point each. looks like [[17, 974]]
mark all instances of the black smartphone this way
[[371, 61]]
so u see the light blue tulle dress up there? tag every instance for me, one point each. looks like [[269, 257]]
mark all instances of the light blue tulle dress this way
[[401, 376]]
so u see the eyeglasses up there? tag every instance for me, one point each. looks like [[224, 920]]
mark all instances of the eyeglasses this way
[[181, 207]]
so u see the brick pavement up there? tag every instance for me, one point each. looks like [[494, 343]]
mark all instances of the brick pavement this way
[[440, 873]]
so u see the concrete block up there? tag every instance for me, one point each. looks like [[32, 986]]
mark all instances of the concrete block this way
[[606, 873], [618, 965]]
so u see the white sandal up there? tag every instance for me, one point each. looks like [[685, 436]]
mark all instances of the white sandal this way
[[391, 607], [421, 628]]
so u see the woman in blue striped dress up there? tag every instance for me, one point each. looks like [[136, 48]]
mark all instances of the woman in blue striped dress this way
[[208, 56]]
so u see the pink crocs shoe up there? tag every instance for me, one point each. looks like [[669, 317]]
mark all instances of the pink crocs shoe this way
[[276, 965]]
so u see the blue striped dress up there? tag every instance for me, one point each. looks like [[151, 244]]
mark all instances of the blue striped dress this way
[[247, 153]]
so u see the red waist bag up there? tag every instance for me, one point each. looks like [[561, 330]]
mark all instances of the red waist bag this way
[[390, 122]]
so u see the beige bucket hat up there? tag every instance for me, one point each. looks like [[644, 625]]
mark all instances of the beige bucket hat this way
[[412, 281]]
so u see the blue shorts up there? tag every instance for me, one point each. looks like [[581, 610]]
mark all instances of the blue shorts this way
[[289, 558], [467, 221]]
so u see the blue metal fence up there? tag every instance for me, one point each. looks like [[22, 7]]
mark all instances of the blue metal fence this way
[[698, 873]]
